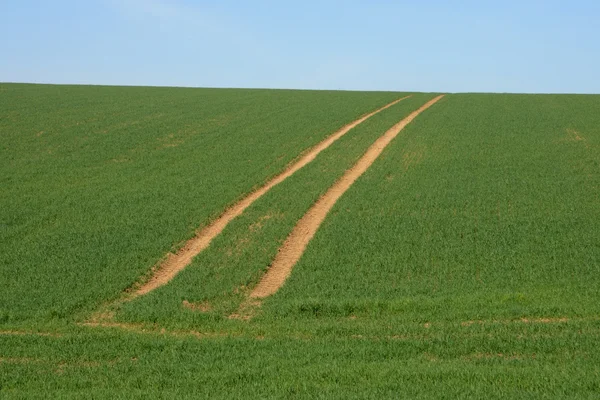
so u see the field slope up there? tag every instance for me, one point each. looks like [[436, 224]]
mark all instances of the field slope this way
[[463, 262]]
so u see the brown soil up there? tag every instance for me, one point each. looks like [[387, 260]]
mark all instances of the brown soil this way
[[174, 263], [574, 136], [544, 320], [24, 333], [19, 360], [202, 307], [488, 356], [156, 330], [296, 243], [522, 320], [247, 309]]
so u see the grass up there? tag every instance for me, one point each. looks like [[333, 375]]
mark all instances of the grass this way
[[464, 264], [542, 362]]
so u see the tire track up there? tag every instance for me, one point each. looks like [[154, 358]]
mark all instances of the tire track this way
[[174, 263], [295, 244]]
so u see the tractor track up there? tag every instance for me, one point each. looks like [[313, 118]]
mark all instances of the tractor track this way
[[295, 244], [174, 263]]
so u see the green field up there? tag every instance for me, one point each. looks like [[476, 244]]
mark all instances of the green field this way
[[100, 182], [464, 263]]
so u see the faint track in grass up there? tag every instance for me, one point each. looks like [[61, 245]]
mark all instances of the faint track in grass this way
[[295, 244], [153, 329], [28, 333], [174, 263]]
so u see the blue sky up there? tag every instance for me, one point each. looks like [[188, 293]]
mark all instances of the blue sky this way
[[451, 46]]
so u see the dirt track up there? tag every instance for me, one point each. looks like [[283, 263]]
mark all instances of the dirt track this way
[[305, 229], [174, 263]]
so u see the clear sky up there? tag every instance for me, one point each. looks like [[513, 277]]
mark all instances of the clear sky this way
[[435, 45]]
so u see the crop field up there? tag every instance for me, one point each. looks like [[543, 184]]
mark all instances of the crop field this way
[[98, 183], [228, 243]]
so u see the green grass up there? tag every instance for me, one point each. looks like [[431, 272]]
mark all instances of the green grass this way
[[98, 183], [534, 362], [465, 263]]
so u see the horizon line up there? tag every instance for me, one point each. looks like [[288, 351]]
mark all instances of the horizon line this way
[[288, 88]]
